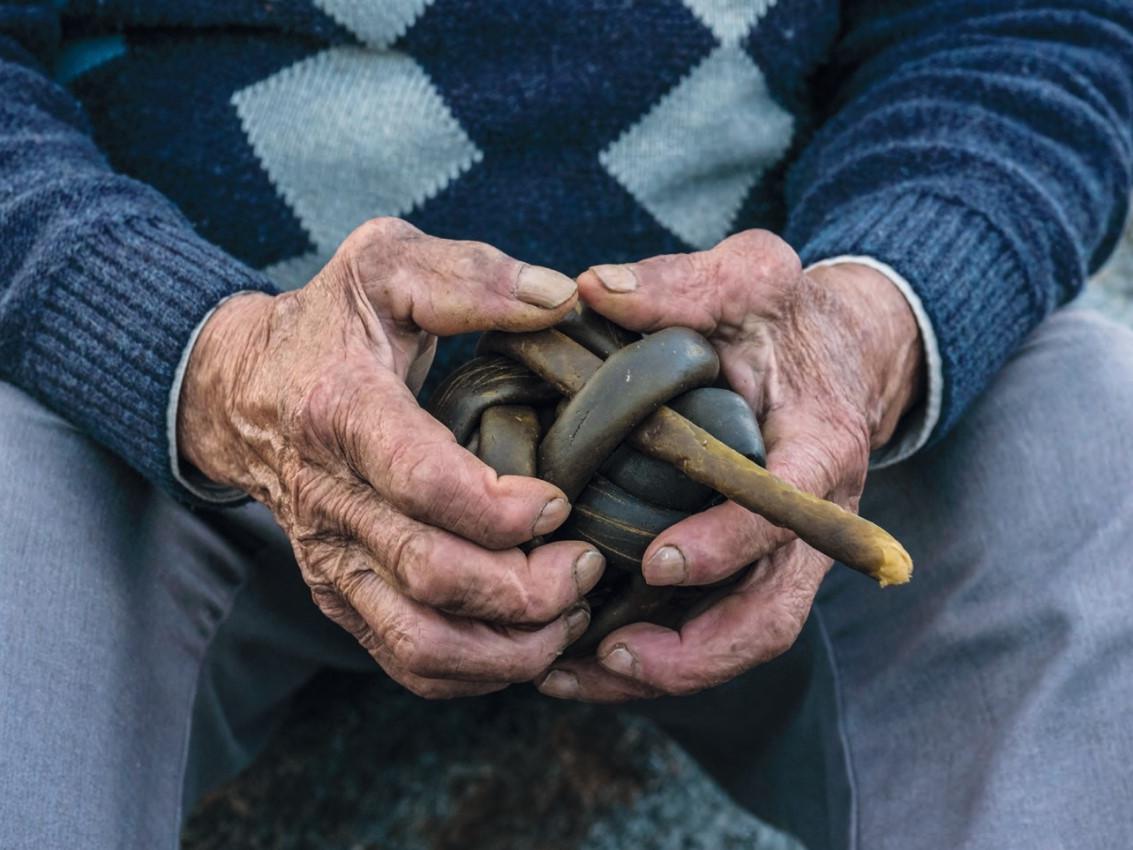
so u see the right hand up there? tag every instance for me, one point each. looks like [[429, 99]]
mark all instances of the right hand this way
[[406, 539]]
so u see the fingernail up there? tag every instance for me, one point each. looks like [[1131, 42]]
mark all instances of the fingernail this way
[[543, 287], [620, 660], [560, 684], [616, 278], [552, 516], [587, 570], [578, 619], [667, 566]]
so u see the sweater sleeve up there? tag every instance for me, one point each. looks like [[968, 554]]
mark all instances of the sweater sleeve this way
[[102, 281], [983, 150]]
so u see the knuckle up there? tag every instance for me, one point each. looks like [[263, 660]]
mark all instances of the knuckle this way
[[526, 665], [779, 643], [811, 467], [417, 470], [685, 682], [764, 251], [480, 261], [529, 670], [319, 414], [694, 271], [289, 311], [506, 518], [782, 631], [429, 486], [526, 605], [308, 489], [327, 561], [336, 504], [411, 560], [430, 689], [684, 688], [427, 577], [405, 647], [329, 601], [373, 247], [694, 287], [748, 539], [501, 597], [378, 231]]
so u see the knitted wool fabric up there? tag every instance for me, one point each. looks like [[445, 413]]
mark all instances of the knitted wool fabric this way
[[157, 157]]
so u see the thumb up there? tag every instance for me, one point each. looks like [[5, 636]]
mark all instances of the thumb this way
[[446, 287], [702, 290], [652, 294]]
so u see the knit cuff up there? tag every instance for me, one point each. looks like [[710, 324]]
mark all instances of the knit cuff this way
[[199, 485], [111, 325], [964, 271]]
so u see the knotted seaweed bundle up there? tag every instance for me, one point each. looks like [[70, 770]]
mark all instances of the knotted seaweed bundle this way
[[638, 435]]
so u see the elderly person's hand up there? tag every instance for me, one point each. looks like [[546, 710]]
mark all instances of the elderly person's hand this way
[[829, 360], [305, 400]]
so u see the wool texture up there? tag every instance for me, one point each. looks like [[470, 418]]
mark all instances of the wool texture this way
[[158, 157]]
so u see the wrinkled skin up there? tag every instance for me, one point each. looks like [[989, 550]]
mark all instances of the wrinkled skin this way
[[829, 360], [305, 400]]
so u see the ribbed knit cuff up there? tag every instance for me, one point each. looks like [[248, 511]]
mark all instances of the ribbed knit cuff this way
[[962, 268], [192, 479], [110, 327]]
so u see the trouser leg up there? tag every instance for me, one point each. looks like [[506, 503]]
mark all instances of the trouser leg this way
[[987, 703], [111, 596], [273, 640], [990, 706]]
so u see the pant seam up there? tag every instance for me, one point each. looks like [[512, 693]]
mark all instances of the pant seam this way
[[187, 731], [852, 833]]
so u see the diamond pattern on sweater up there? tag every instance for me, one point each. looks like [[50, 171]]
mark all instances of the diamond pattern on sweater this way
[[349, 134], [730, 20], [387, 143], [694, 157], [378, 24]]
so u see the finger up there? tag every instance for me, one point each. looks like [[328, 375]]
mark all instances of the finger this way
[[711, 545], [415, 463], [755, 623], [700, 290], [819, 451], [587, 681], [429, 644], [450, 287], [337, 609], [445, 571], [442, 688]]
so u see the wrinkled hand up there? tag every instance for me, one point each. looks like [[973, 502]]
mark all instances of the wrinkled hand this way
[[829, 361], [405, 538]]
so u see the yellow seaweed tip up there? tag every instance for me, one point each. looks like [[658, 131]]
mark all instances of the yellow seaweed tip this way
[[896, 566]]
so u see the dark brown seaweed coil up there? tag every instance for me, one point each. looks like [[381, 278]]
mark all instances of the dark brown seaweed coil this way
[[521, 424]]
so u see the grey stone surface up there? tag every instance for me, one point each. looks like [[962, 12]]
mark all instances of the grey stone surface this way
[[361, 765]]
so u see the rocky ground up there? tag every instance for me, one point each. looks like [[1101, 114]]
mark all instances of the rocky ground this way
[[508, 772], [363, 766]]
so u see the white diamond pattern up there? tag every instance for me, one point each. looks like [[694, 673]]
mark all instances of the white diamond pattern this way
[[349, 134], [378, 23], [352, 133], [693, 158], [730, 20]]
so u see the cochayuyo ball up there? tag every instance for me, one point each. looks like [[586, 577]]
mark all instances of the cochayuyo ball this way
[[638, 432]]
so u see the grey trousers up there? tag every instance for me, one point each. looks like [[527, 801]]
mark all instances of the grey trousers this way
[[145, 650]]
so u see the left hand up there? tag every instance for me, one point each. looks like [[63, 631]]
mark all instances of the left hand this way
[[829, 360]]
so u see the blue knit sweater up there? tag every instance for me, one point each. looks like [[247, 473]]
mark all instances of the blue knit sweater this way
[[158, 156]]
